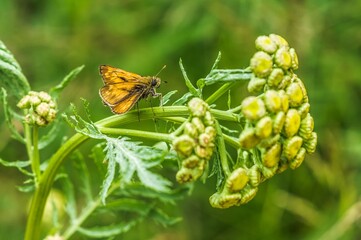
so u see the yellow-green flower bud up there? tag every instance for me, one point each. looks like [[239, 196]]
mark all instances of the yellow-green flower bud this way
[[306, 128], [190, 130], [29, 119], [221, 200], [24, 103], [292, 122], [40, 121], [283, 58], [197, 107], [204, 152], [237, 180], [253, 108], [264, 127], [304, 109], [297, 161], [261, 64], [295, 94], [291, 146], [208, 119], [268, 142], [271, 156], [278, 122], [185, 175], [197, 122], [284, 100], [302, 86], [42, 109], [282, 166], [248, 138], [311, 143], [44, 97], [272, 101], [51, 115], [256, 84], [184, 145], [254, 176], [280, 41], [269, 172], [285, 82], [34, 100], [191, 162], [211, 132], [265, 44], [294, 59], [248, 194], [205, 140], [275, 77]]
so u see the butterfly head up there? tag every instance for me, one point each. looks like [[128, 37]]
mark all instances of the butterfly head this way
[[155, 82]]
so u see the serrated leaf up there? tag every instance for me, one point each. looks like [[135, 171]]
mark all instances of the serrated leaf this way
[[227, 75], [167, 96], [108, 231], [11, 76], [130, 205], [20, 165], [194, 91], [55, 91], [183, 99], [9, 116], [161, 217]]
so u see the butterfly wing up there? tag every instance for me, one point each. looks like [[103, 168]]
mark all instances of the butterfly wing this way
[[113, 75], [125, 105], [113, 94]]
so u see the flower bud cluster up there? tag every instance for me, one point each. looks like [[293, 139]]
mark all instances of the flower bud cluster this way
[[278, 128], [41, 108], [196, 144]]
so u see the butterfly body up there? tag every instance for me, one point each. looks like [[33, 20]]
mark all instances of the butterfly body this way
[[122, 89]]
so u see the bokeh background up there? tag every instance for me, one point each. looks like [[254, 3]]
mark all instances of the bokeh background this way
[[321, 199]]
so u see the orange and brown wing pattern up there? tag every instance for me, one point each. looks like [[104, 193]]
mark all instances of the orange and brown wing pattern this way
[[113, 75], [126, 104]]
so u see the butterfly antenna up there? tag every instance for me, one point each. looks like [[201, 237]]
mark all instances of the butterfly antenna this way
[[161, 70]]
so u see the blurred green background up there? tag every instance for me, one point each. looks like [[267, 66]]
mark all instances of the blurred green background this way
[[319, 199]]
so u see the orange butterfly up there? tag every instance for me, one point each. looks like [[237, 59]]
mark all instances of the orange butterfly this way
[[123, 89]]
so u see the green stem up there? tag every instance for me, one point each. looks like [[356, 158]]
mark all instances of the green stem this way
[[137, 133], [222, 150], [35, 161], [217, 94]]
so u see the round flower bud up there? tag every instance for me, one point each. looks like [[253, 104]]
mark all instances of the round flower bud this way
[[306, 128], [211, 132], [204, 152], [283, 58], [291, 146], [265, 44], [208, 119], [42, 109], [197, 107], [254, 176], [24, 103], [278, 122], [51, 115], [44, 97], [237, 180], [295, 94], [302, 86], [269, 172], [285, 82], [184, 145], [40, 121], [268, 142], [311, 143], [280, 41], [205, 140], [185, 175], [297, 161], [34, 100], [292, 122], [220, 200], [248, 194], [191, 162], [294, 59], [253, 108], [284, 100], [271, 156], [264, 127], [256, 84], [272, 100], [190, 130], [261, 64], [197, 122], [304, 109], [248, 138], [275, 77]]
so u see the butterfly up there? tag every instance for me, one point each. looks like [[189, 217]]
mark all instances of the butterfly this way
[[122, 89]]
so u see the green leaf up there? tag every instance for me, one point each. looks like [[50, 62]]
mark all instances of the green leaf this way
[[183, 99], [9, 116], [55, 91], [194, 91], [11, 76], [161, 217], [227, 75], [166, 97], [108, 231], [20, 165], [140, 207]]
